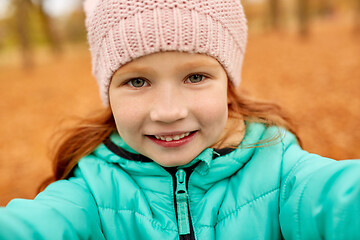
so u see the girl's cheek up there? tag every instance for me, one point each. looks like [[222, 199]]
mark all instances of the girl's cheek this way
[[125, 115], [214, 111]]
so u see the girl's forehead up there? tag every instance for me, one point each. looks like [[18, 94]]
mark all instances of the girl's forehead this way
[[180, 60]]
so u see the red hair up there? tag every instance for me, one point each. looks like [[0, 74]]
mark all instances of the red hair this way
[[242, 107]]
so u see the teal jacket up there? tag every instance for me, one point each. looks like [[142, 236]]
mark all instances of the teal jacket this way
[[269, 192]]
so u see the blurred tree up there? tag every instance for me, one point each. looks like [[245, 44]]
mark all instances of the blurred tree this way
[[357, 17], [29, 14], [325, 8], [22, 12], [49, 30], [274, 13], [75, 27], [303, 13]]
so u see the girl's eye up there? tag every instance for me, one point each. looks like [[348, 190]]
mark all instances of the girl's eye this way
[[196, 78], [137, 82]]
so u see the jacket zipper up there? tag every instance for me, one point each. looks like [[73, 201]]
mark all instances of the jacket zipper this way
[[181, 200]]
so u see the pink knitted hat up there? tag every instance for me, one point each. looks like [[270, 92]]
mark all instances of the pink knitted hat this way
[[120, 31]]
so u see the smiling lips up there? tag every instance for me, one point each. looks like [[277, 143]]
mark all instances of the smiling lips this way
[[172, 137], [173, 140]]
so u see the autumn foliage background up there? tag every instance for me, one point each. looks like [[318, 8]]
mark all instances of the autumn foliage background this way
[[308, 61]]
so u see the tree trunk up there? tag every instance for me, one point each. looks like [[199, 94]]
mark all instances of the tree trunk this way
[[22, 11], [357, 17], [49, 30], [325, 8], [274, 14], [303, 11]]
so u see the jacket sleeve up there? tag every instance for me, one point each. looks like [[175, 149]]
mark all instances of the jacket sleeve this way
[[64, 210], [320, 197]]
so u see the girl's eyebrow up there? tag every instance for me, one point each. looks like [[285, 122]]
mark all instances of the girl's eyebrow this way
[[198, 64], [134, 69], [183, 67]]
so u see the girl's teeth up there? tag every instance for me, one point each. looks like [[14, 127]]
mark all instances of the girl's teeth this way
[[177, 137]]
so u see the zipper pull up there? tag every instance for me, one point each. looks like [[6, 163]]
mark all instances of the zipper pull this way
[[182, 203]]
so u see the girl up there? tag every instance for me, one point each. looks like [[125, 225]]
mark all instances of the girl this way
[[178, 153]]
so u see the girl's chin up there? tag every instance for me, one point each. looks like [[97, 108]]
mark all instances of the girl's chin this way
[[166, 163], [173, 160]]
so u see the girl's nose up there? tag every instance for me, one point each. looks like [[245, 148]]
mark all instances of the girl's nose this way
[[168, 107]]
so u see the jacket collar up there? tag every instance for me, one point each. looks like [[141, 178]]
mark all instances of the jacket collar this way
[[115, 150], [115, 144]]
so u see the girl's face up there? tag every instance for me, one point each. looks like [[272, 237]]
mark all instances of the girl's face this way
[[170, 106]]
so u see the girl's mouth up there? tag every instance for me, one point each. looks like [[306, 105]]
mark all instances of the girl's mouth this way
[[173, 140], [172, 137]]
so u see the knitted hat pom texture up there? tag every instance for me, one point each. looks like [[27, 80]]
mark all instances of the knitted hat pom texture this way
[[120, 31]]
